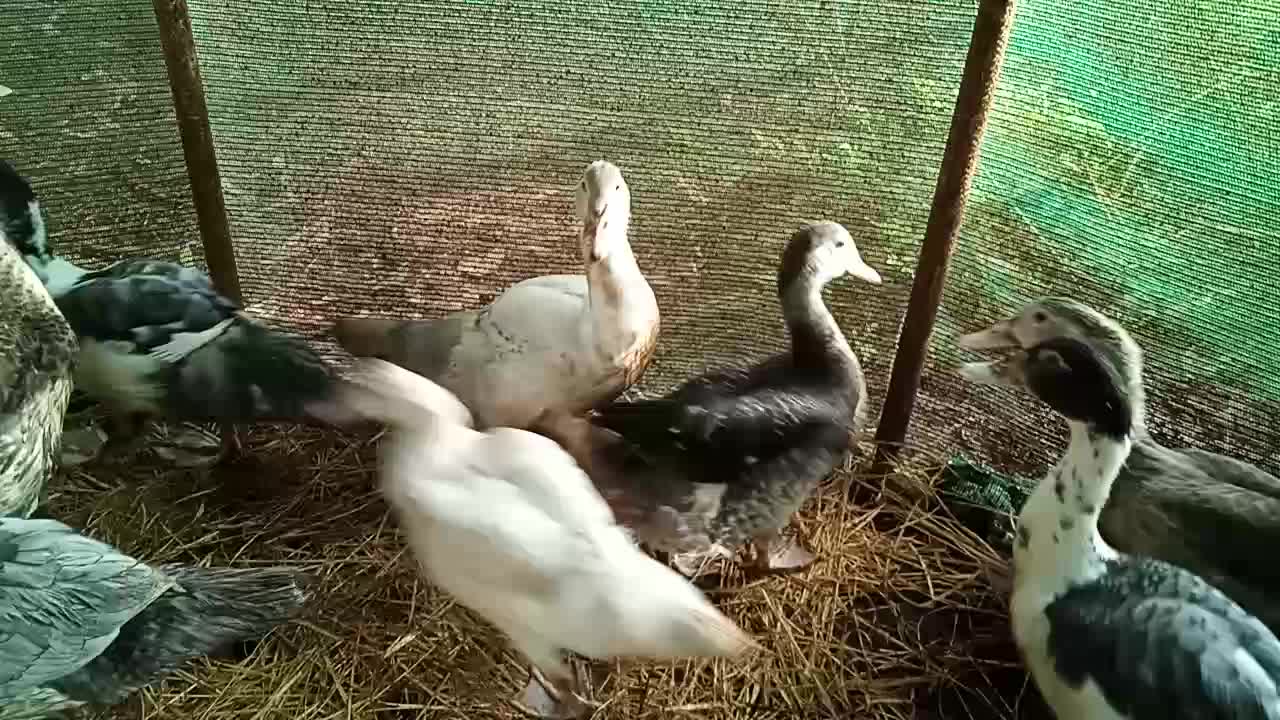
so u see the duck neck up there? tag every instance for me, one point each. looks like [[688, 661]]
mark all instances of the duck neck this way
[[57, 273], [622, 306], [1138, 400], [815, 335], [1058, 540]]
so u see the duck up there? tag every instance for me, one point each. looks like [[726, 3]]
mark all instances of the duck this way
[[87, 625], [37, 357], [82, 623], [507, 523], [1109, 635], [725, 459], [568, 342], [156, 339], [1202, 511]]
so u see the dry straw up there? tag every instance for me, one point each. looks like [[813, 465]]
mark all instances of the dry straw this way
[[897, 620]]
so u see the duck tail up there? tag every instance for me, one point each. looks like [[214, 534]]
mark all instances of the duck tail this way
[[252, 373], [208, 612], [715, 635], [385, 392], [694, 626], [369, 337]]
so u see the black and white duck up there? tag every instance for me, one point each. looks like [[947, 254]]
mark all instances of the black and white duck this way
[[569, 342], [1213, 515], [508, 524], [1109, 635], [80, 622], [157, 340], [726, 459]]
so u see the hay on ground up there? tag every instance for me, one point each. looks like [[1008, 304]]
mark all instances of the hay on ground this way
[[896, 621]]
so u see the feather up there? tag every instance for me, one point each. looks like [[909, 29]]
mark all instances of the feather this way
[[85, 623], [37, 356], [159, 339]]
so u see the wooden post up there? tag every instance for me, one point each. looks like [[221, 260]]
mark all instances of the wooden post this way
[[197, 144], [959, 161]]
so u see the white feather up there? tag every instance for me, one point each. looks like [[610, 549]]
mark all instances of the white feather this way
[[111, 369], [507, 523]]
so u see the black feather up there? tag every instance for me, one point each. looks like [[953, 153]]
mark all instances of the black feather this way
[[767, 433], [145, 302], [1162, 643], [208, 613], [250, 373], [1073, 378]]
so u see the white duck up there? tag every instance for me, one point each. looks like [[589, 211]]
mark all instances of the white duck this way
[[567, 342], [507, 523]]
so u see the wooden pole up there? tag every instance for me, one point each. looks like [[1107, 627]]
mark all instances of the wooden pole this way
[[197, 144], [959, 161]]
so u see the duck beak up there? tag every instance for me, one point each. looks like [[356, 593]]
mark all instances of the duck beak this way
[[865, 272], [997, 337], [1005, 371], [858, 268]]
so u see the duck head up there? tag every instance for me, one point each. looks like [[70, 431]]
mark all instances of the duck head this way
[[21, 222], [1050, 318], [819, 253], [1070, 376], [603, 203]]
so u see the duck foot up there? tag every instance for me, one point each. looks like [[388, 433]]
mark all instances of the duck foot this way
[[232, 448], [554, 700], [126, 436], [781, 554], [191, 446], [692, 564]]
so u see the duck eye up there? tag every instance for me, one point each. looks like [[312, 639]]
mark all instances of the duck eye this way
[[617, 187], [839, 243], [1039, 317]]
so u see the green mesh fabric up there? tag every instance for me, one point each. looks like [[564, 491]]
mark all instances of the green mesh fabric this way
[[410, 159], [1131, 162], [90, 120]]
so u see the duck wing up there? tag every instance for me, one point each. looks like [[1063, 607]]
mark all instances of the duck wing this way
[[145, 302], [178, 332], [1236, 472], [711, 439], [64, 598], [547, 477], [1161, 642], [500, 531]]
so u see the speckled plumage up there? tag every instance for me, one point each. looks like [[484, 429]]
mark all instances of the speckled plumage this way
[[144, 302], [37, 354], [242, 372], [81, 622], [767, 434]]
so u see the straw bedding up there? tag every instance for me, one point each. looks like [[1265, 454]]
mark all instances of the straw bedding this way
[[896, 621]]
